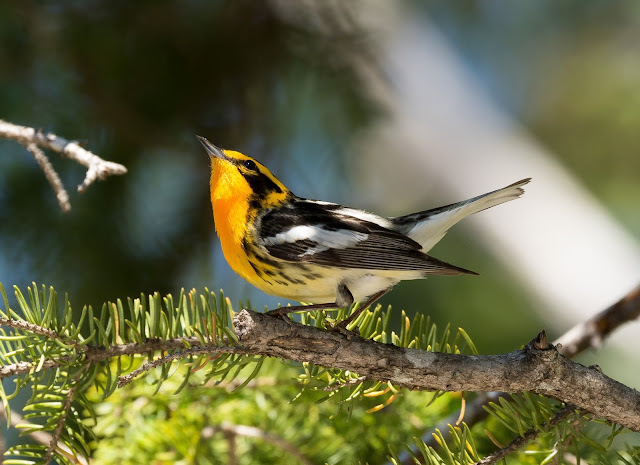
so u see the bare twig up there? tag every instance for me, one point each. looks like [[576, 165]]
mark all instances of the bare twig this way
[[529, 436], [592, 332], [232, 453], [51, 175], [253, 432], [97, 168]]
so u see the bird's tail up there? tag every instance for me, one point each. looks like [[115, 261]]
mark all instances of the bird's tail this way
[[429, 226]]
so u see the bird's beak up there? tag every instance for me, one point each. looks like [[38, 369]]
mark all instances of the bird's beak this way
[[211, 149]]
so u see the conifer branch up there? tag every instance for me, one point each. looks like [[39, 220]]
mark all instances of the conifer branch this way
[[20, 368], [31, 327], [529, 436], [208, 349], [32, 139], [169, 326], [44, 438], [538, 368], [95, 354], [583, 336], [53, 443]]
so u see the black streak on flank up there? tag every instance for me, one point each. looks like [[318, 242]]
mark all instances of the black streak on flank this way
[[257, 269], [291, 280]]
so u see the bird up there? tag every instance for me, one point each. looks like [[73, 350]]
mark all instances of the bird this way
[[319, 253]]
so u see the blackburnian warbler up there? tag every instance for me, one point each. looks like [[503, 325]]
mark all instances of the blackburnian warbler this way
[[321, 252]]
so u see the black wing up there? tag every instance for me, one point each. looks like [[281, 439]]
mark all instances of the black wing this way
[[326, 234]]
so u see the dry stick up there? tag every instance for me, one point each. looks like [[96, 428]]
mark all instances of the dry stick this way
[[97, 168], [585, 335], [51, 175], [592, 332], [537, 368]]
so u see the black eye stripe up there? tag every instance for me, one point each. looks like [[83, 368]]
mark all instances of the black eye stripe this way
[[260, 183]]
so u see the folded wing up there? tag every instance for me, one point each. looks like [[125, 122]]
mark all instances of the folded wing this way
[[330, 235]]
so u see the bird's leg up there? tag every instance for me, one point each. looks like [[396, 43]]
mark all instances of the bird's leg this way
[[344, 298], [342, 326]]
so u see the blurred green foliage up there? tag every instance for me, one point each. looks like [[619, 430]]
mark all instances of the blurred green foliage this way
[[138, 427]]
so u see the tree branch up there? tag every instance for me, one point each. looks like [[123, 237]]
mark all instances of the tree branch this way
[[55, 437], [95, 354], [51, 175], [581, 337], [45, 438], [126, 379], [529, 436], [97, 168], [537, 368], [592, 332], [31, 327]]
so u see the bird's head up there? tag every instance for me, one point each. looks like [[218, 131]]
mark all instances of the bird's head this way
[[237, 176]]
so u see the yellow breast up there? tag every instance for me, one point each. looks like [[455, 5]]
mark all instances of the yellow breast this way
[[230, 202]]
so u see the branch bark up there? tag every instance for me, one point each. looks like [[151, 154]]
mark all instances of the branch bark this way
[[537, 368], [592, 332], [585, 335], [95, 354]]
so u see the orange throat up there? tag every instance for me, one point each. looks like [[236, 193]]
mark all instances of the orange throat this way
[[230, 208]]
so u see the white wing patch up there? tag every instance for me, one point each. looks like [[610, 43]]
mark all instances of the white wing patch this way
[[325, 239]]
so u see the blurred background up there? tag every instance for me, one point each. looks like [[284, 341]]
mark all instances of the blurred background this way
[[389, 106]]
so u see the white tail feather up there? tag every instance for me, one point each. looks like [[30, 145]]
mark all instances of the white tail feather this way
[[433, 228]]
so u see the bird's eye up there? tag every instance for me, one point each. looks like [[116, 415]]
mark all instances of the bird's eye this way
[[250, 165]]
